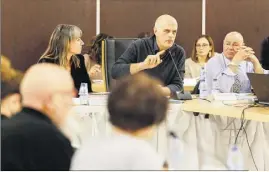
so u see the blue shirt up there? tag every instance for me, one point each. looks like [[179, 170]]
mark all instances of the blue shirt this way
[[217, 68]]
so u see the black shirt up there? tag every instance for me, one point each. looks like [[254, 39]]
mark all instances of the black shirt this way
[[166, 72], [3, 117], [30, 141], [79, 74], [265, 53]]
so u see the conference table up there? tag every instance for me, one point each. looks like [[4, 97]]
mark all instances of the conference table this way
[[257, 113], [99, 86], [206, 140], [217, 133]]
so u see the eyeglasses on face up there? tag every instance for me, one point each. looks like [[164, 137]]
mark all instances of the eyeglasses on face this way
[[202, 45]]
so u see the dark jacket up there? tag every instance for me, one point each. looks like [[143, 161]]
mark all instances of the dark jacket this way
[[30, 141], [3, 117]]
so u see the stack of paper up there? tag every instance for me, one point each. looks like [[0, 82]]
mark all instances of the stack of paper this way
[[190, 81]]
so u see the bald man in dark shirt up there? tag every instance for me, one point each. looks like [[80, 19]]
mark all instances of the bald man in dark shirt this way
[[158, 56], [31, 139]]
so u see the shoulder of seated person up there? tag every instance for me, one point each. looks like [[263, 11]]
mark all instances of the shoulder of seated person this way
[[178, 46], [189, 60], [214, 58], [47, 60], [177, 50], [88, 59], [86, 55], [80, 55], [36, 129], [266, 41], [140, 41]]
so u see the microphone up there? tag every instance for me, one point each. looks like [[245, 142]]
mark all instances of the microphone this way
[[180, 95], [175, 66], [172, 134]]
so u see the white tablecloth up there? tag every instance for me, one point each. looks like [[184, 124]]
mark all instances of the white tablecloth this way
[[208, 139], [205, 141]]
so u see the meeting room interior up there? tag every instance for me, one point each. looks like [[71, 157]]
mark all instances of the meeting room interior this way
[[180, 84]]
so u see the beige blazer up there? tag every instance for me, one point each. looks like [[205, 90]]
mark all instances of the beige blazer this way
[[192, 69]]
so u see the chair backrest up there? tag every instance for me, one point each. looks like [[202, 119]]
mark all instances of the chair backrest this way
[[112, 49], [196, 88]]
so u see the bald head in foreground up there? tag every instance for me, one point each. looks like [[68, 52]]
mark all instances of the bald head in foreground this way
[[31, 139], [159, 56], [229, 68], [49, 89]]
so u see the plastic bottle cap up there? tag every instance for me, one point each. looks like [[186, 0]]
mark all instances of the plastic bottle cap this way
[[234, 148]]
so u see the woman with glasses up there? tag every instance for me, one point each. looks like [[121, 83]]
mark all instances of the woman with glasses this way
[[64, 49], [202, 51]]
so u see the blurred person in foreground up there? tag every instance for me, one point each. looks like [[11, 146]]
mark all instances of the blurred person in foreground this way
[[31, 140], [8, 73], [10, 98], [10, 94], [134, 113]]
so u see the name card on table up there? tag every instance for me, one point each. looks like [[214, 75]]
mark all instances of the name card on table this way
[[224, 96], [235, 98], [190, 81]]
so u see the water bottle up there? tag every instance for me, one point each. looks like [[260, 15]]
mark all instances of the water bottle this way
[[235, 159], [175, 152], [83, 94], [215, 86], [203, 85]]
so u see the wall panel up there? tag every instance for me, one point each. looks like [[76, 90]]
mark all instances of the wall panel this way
[[249, 17], [27, 25], [127, 18]]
